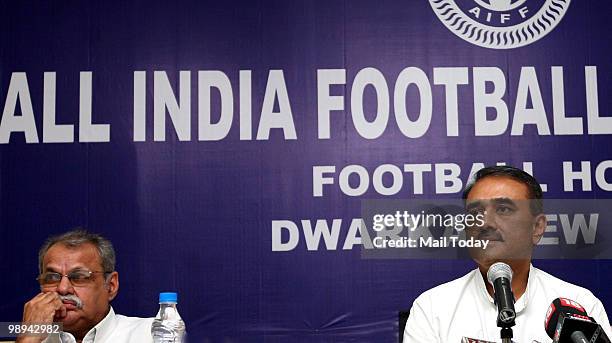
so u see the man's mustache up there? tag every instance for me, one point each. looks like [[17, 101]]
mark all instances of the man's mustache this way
[[490, 234], [73, 299], [486, 233]]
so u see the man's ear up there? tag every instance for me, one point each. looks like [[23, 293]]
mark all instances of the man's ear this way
[[539, 227], [112, 285]]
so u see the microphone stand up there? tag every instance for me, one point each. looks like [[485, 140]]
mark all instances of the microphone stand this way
[[506, 328], [506, 334]]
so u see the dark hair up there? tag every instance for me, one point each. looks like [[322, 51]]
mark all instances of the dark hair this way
[[76, 238], [533, 187]]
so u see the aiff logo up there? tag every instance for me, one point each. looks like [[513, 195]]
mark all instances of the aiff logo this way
[[500, 24]]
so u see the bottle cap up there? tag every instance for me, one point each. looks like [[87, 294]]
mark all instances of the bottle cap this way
[[168, 297]]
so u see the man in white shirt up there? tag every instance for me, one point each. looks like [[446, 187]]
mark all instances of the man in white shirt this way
[[78, 281], [511, 202]]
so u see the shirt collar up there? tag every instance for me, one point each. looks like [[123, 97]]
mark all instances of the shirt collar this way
[[101, 331], [522, 302], [104, 328]]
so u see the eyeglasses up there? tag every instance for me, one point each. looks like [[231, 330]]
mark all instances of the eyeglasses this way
[[76, 278]]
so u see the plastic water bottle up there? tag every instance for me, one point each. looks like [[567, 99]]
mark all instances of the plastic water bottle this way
[[168, 327]]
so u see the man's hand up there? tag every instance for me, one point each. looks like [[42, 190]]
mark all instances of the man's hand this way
[[42, 309]]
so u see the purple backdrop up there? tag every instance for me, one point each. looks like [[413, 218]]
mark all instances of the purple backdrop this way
[[195, 216]]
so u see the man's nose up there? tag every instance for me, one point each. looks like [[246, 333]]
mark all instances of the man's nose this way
[[490, 220], [65, 286]]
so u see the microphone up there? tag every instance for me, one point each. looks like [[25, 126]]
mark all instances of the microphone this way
[[579, 337], [567, 321], [500, 277]]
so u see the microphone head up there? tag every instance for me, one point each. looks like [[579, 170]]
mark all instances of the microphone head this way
[[556, 308], [497, 270]]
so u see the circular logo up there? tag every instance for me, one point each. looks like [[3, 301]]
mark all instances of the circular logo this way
[[500, 24]]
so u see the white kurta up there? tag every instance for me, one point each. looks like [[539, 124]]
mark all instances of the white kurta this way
[[464, 308]]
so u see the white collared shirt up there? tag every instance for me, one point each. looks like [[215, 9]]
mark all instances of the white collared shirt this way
[[114, 328], [464, 308]]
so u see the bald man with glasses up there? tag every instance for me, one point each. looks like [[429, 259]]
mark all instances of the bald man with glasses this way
[[77, 282]]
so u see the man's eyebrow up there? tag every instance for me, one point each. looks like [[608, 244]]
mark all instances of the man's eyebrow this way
[[504, 201], [497, 201], [55, 270], [473, 204]]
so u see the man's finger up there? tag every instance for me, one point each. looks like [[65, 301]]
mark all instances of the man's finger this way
[[57, 303], [50, 297], [61, 313], [39, 297], [43, 307]]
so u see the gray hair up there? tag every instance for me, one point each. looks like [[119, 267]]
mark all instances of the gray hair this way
[[76, 238]]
